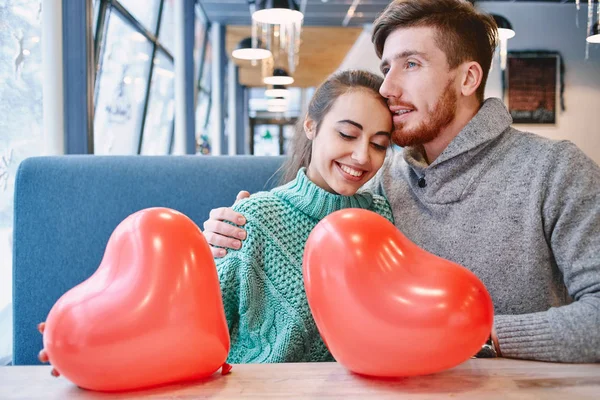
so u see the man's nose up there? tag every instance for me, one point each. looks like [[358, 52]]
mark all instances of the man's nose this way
[[390, 88]]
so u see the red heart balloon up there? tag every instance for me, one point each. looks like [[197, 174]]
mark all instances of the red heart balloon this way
[[151, 314], [384, 306]]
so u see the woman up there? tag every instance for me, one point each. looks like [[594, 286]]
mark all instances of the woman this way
[[341, 144]]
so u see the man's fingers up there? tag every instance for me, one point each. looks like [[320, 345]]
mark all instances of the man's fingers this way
[[242, 195], [42, 356], [223, 229], [222, 234], [217, 252], [222, 241], [227, 214]]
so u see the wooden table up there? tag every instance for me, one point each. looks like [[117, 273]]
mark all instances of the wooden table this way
[[475, 379]]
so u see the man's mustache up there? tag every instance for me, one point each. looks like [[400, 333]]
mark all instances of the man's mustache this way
[[401, 104]]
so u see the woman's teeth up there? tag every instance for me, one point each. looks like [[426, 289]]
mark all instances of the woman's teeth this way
[[351, 171]]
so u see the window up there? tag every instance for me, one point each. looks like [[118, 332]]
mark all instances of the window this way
[[134, 98], [135, 91], [167, 25], [122, 83], [20, 130], [146, 12], [134, 104], [203, 64], [271, 133], [158, 129]]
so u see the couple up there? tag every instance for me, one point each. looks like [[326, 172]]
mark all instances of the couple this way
[[520, 211]]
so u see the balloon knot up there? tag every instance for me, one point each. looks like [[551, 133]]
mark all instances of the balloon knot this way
[[225, 369]]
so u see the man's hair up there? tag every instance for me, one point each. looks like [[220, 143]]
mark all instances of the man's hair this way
[[463, 33]]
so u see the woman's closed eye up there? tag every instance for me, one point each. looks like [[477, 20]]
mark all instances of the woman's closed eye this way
[[346, 137], [379, 146]]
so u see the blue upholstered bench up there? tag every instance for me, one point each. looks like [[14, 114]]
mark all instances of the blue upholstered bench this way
[[66, 207]]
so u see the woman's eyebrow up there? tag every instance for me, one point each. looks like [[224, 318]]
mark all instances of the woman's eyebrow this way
[[349, 121]]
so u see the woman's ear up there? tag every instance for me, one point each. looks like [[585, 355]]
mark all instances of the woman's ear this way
[[309, 128]]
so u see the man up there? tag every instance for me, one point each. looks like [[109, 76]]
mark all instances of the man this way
[[520, 211]]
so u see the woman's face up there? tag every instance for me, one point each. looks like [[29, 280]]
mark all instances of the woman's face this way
[[351, 143]]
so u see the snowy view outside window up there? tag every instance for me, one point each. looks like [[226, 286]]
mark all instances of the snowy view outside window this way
[[20, 129]]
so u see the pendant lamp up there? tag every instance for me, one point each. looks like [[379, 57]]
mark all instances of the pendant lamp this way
[[246, 51], [279, 77], [505, 32]]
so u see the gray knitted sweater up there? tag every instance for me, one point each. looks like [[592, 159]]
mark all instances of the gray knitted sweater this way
[[523, 213]]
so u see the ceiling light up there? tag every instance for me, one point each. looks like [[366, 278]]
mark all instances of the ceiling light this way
[[277, 91], [278, 24], [594, 34], [246, 51], [279, 77], [505, 32], [505, 29], [276, 109], [277, 102], [277, 12]]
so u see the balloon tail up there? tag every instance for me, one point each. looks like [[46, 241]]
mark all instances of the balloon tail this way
[[225, 369]]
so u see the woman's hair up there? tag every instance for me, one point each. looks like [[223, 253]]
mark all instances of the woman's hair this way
[[338, 84]]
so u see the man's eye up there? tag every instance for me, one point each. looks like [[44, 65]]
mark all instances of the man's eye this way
[[385, 70], [411, 64]]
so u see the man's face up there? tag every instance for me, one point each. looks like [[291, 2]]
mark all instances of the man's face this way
[[421, 89]]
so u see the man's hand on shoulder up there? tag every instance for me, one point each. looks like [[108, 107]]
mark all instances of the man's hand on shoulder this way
[[219, 233]]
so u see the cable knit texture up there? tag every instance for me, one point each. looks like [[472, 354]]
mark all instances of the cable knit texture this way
[[523, 213], [265, 303]]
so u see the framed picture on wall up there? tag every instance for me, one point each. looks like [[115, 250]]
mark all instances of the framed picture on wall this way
[[532, 87]]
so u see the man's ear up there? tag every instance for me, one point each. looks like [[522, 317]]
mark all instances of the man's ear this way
[[309, 128], [471, 76]]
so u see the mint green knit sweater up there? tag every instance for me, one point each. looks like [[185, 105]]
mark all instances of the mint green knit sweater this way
[[263, 293]]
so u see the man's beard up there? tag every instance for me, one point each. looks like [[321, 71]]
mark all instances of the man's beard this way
[[441, 116]]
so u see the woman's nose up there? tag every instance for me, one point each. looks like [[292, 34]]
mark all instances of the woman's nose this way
[[361, 154]]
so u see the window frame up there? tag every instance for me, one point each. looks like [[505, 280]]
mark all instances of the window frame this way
[[104, 15], [201, 90], [105, 8]]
